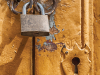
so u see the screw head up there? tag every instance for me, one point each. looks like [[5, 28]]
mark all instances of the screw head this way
[[66, 52]]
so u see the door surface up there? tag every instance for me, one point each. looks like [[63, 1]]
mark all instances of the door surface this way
[[74, 33]]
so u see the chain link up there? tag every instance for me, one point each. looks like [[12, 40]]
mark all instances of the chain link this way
[[14, 3]]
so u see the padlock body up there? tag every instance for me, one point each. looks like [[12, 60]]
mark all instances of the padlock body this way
[[34, 25]]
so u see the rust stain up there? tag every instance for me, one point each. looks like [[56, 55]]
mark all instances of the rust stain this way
[[49, 46], [53, 30]]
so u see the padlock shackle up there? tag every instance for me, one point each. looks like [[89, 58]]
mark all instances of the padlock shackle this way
[[41, 8], [25, 6]]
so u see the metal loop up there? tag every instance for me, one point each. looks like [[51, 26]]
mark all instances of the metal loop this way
[[24, 8], [41, 8], [13, 10], [53, 9], [36, 6], [31, 3]]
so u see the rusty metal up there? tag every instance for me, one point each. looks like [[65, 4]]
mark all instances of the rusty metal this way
[[48, 13], [50, 46], [31, 3], [53, 9], [34, 25], [36, 6], [14, 3], [13, 10]]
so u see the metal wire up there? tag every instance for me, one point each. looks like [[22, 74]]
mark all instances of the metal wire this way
[[31, 3], [35, 5], [53, 9], [13, 10]]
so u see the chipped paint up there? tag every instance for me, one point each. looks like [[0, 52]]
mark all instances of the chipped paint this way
[[38, 47], [53, 29], [39, 54], [63, 29], [47, 4], [38, 39], [49, 46]]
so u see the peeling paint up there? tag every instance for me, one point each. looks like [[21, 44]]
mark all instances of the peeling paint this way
[[47, 4], [49, 46], [39, 54], [38, 47], [53, 29], [63, 29], [38, 39]]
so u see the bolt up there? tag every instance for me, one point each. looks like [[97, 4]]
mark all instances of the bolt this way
[[66, 52]]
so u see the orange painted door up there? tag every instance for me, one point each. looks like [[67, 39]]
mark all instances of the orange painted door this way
[[74, 33], [71, 36]]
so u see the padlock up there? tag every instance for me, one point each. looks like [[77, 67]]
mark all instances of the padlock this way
[[34, 25]]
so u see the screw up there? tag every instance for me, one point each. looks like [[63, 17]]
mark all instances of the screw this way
[[66, 52]]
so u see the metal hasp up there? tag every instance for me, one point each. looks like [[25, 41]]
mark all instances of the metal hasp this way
[[34, 25]]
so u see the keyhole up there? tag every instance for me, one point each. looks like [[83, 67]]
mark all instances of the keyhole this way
[[76, 61]]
